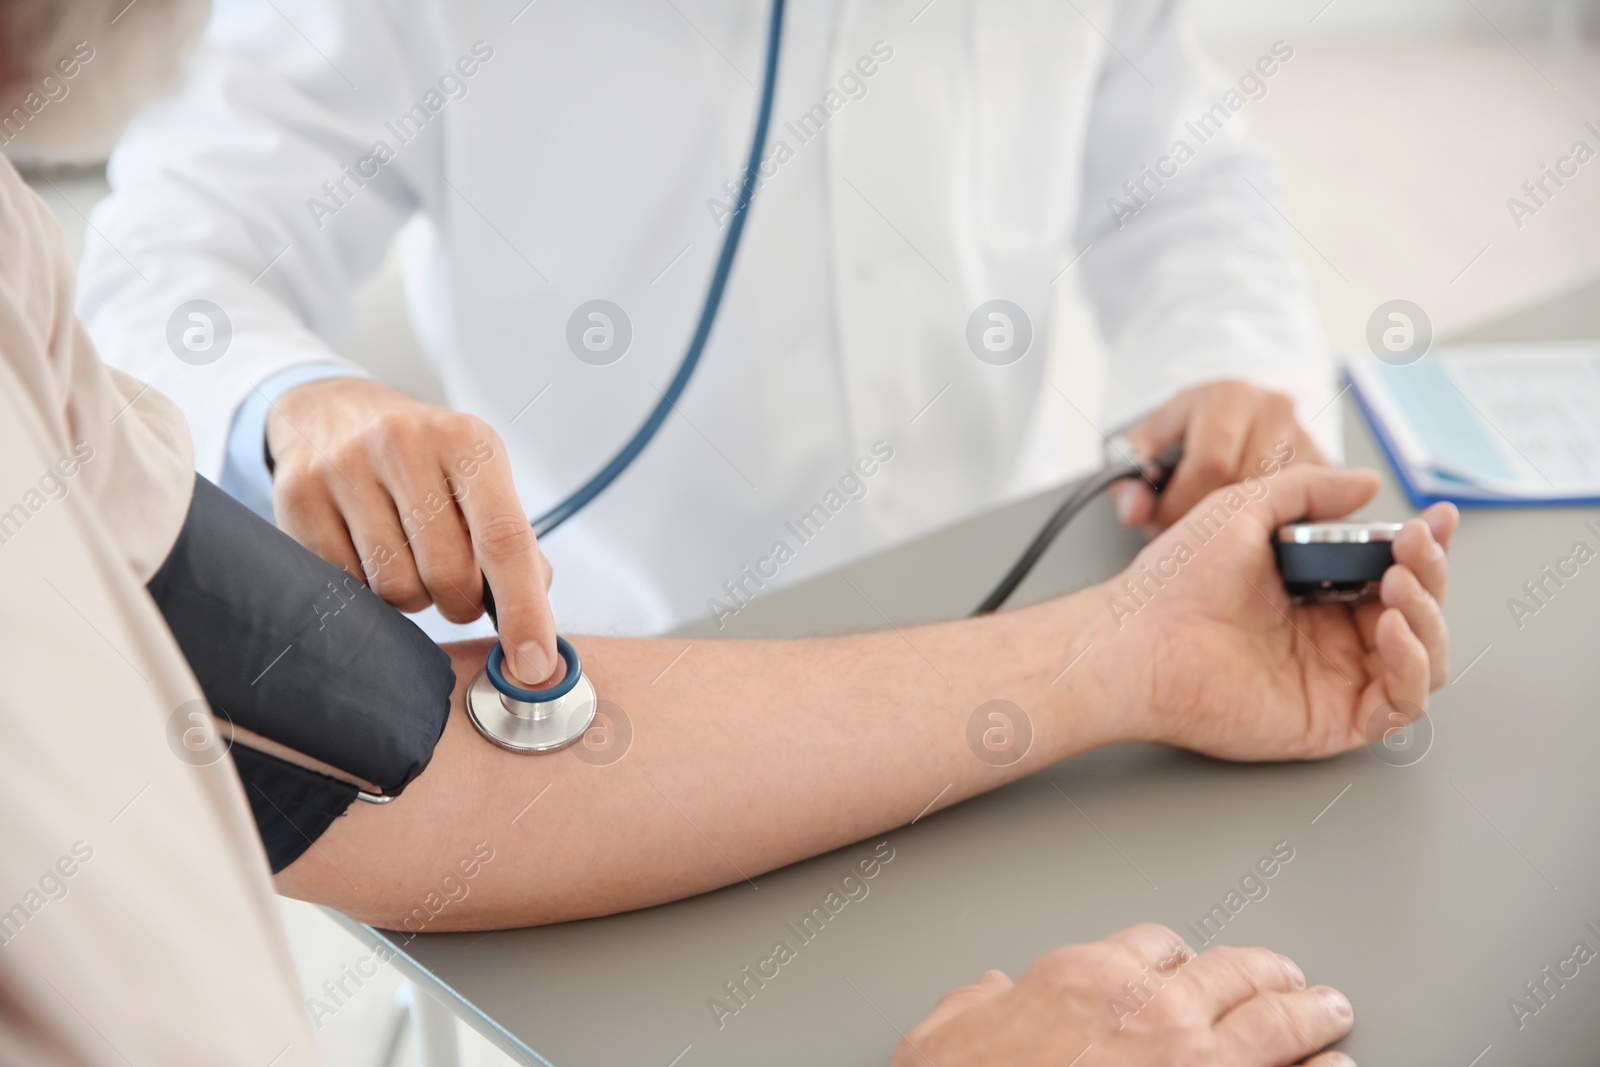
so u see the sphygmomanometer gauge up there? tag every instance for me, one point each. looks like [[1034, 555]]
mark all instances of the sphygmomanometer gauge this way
[[1334, 562]]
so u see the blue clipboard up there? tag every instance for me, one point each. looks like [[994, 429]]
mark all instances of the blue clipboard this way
[[1469, 496]]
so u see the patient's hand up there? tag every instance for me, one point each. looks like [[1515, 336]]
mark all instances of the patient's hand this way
[[1237, 671], [1139, 998]]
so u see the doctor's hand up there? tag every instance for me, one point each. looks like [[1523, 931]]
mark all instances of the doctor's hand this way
[[418, 501], [1139, 998], [1231, 668], [1227, 428]]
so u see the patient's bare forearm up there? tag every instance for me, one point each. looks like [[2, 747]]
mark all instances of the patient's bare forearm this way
[[745, 756]]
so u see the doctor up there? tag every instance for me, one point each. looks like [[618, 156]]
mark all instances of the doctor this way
[[559, 175]]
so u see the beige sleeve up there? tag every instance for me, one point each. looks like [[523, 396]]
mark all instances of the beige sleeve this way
[[119, 443], [137, 922]]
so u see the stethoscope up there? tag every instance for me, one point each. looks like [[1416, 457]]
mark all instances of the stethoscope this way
[[542, 720]]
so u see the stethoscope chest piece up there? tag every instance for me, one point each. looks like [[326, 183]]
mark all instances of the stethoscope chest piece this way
[[531, 720]]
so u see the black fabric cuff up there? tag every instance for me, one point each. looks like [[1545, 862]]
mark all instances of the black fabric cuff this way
[[292, 806], [292, 648]]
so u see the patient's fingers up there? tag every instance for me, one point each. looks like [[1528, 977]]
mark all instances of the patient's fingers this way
[[1228, 976], [1328, 1059], [1281, 1028], [1405, 670], [1422, 547], [1153, 945], [990, 985], [1415, 547], [1303, 492], [1443, 518], [1401, 590]]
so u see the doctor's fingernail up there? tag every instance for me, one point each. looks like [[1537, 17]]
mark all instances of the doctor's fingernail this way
[[532, 665]]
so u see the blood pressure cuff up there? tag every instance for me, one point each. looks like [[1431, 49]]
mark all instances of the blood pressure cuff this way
[[299, 652]]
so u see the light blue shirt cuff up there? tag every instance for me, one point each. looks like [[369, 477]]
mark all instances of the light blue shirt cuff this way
[[244, 470]]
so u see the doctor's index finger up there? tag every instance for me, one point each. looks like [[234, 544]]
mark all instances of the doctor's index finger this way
[[1214, 436], [508, 554], [1164, 425]]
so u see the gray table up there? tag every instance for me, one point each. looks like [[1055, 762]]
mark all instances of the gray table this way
[[1429, 893]]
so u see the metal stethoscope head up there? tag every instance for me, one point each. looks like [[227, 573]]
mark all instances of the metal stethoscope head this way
[[531, 720]]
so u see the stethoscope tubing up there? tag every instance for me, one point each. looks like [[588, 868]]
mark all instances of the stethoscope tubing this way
[[636, 444]]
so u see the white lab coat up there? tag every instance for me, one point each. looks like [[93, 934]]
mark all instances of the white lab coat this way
[[584, 159]]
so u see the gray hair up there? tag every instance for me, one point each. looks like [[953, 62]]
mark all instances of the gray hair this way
[[72, 72]]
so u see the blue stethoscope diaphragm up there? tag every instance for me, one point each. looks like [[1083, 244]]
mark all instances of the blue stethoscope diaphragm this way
[[532, 720]]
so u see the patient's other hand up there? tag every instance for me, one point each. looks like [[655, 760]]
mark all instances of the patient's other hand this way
[[1139, 998]]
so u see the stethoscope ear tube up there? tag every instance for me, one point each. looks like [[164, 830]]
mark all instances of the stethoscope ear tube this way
[[630, 450], [502, 710]]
